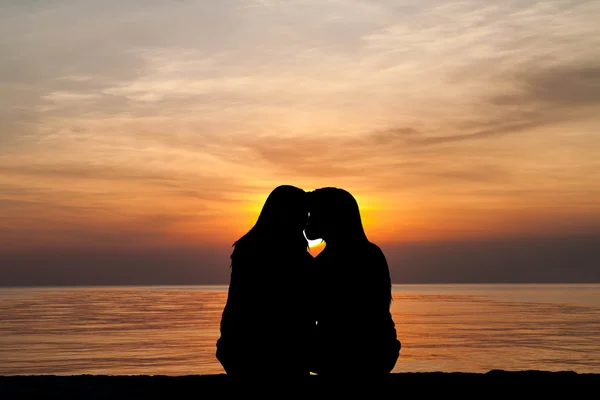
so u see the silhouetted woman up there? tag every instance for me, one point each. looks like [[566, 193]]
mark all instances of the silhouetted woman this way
[[355, 333], [266, 322]]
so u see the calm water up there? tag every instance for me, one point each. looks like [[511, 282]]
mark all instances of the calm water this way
[[172, 330]]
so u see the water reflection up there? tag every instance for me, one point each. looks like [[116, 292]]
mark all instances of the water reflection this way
[[172, 330]]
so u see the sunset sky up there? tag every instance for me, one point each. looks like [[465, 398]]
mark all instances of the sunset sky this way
[[150, 132]]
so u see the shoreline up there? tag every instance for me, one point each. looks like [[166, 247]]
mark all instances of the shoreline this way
[[164, 386]]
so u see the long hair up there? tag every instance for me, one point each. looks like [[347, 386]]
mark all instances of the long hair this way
[[340, 211], [281, 220]]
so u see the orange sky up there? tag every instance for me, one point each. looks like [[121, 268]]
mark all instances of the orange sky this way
[[145, 124]]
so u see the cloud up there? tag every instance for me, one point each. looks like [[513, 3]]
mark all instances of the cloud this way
[[564, 86], [137, 265], [528, 102], [87, 172], [538, 98], [371, 161], [115, 205], [538, 259], [89, 183], [544, 96], [148, 108], [391, 135], [497, 128]]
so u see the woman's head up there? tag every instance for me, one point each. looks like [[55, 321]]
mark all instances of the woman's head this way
[[334, 216], [283, 216]]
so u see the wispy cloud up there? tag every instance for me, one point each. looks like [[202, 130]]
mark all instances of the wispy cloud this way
[[127, 111]]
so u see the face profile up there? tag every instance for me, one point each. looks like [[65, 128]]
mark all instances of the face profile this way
[[334, 216], [284, 212], [314, 227]]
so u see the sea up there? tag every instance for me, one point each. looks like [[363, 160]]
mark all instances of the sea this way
[[172, 330]]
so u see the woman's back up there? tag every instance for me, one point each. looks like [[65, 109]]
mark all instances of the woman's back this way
[[354, 285], [355, 332], [266, 322]]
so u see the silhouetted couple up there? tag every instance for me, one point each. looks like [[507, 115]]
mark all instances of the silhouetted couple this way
[[289, 314]]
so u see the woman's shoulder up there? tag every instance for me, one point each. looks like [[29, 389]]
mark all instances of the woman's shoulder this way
[[369, 252], [368, 247], [244, 250], [375, 248]]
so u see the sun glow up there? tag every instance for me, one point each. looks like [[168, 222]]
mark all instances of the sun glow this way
[[315, 243], [315, 246]]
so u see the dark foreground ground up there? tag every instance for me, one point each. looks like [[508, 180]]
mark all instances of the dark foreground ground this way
[[488, 385]]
